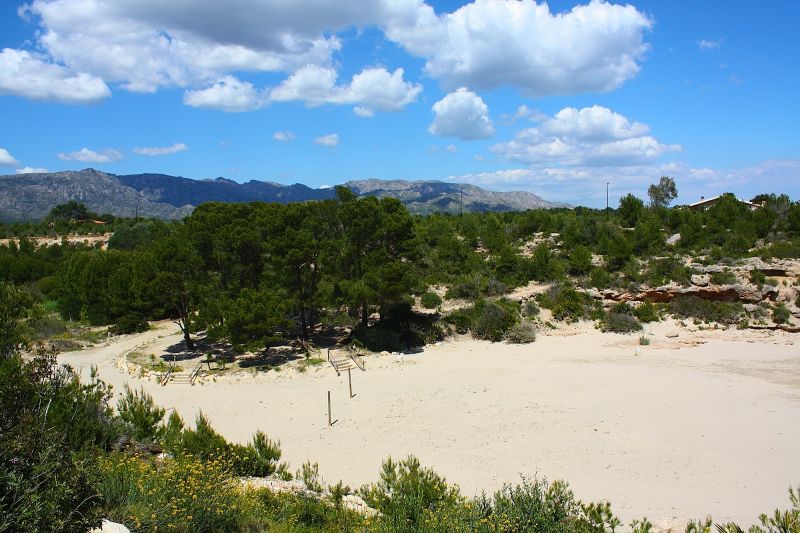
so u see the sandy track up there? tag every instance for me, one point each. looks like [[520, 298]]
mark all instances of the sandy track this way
[[675, 433]]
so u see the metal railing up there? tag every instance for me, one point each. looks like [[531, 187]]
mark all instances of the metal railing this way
[[167, 374], [357, 359], [195, 373]]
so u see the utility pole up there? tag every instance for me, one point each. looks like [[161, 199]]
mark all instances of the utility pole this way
[[137, 209], [606, 200]]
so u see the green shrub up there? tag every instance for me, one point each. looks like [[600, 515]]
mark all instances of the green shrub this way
[[186, 493], [48, 466], [521, 333], [491, 319], [495, 287], [644, 341], [139, 411], [706, 310], [431, 300], [259, 458], [725, 277], [288, 512], [600, 278], [309, 475], [566, 303], [466, 288], [757, 277], [130, 323], [407, 492], [646, 312], [619, 323], [531, 309], [780, 314]]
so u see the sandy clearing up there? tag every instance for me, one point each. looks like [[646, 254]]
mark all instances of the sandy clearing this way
[[708, 422]]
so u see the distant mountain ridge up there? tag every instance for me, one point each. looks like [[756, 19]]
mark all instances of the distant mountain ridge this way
[[31, 196]]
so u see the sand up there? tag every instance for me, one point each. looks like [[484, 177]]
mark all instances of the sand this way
[[705, 423]]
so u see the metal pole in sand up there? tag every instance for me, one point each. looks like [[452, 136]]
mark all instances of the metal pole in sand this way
[[350, 381], [329, 408]]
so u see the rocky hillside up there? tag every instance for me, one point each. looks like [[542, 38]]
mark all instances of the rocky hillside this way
[[31, 196], [430, 196]]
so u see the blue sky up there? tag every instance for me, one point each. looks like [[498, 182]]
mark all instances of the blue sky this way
[[556, 98]]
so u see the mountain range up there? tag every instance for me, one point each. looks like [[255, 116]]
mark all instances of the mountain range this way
[[31, 196]]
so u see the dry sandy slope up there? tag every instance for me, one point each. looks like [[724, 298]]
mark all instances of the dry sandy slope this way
[[674, 433]]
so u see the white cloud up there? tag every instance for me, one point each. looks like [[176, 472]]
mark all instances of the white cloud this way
[[371, 90], [461, 114], [144, 45], [161, 150], [6, 159], [331, 139], [31, 170], [86, 155], [147, 44], [451, 148], [283, 136], [592, 136], [709, 44], [228, 94], [33, 76], [493, 43]]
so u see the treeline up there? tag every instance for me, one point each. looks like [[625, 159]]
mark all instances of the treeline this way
[[252, 273]]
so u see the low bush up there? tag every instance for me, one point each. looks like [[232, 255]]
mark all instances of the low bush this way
[[567, 304], [491, 319], [619, 323], [644, 341], [780, 314], [184, 494], [407, 492], [430, 300], [725, 277], [521, 333], [757, 277], [531, 309], [143, 416], [259, 458], [646, 312], [600, 278], [130, 323], [487, 319], [468, 288], [706, 310]]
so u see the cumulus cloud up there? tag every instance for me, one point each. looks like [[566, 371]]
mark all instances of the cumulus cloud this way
[[23, 73], [228, 94], [31, 170], [491, 43], [330, 140], [371, 90], [461, 114], [592, 136], [144, 45], [6, 159], [283, 136], [709, 44], [86, 155], [161, 150]]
